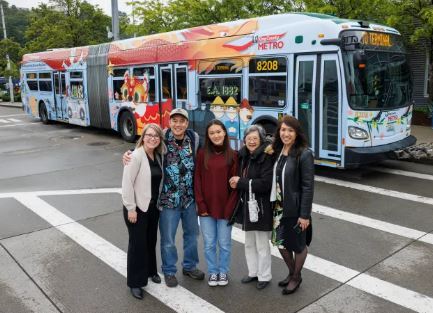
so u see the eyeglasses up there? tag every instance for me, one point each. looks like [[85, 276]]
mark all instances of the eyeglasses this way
[[151, 136]]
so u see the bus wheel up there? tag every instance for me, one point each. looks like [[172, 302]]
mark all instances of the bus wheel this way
[[43, 114], [127, 126], [269, 129], [82, 116]]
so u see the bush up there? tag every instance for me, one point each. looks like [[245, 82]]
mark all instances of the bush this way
[[5, 97]]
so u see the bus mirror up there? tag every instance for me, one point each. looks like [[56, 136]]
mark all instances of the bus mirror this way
[[359, 60]]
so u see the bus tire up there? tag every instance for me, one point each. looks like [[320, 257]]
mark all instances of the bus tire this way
[[127, 126], [43, 113], [269, 128], [82, 115]]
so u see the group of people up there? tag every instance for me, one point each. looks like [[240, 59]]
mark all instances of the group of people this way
[[267, 187]]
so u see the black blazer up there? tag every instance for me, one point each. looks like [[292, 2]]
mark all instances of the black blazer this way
[[259, 167], [298, 185]]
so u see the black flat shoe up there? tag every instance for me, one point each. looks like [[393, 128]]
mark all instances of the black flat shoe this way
[[262, 285], [248, 279], [156, 279], [285, 281], [137, 293], [293, 287]]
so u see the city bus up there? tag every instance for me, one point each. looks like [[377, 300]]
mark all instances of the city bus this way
[[347, 82]]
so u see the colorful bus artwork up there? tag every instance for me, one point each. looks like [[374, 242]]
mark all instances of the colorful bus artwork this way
[[347, 81]]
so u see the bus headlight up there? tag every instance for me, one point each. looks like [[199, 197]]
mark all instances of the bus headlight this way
[[357, 133]]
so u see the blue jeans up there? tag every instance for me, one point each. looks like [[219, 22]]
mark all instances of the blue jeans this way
[[168, 223], [216, 231]]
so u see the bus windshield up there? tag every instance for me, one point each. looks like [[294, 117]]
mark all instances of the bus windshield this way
[[376, 70]]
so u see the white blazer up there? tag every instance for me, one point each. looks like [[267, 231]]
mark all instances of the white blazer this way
[[137, 181]]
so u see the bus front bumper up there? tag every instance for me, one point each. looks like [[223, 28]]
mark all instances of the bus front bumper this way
[[354, 157]]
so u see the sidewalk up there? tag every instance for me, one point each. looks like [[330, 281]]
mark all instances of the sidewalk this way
[[423, 134], [11, 105]]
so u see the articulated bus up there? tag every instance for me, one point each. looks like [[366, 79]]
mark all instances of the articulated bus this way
[[347, 81]]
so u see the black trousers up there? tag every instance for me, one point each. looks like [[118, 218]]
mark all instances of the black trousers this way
[[141, 260]]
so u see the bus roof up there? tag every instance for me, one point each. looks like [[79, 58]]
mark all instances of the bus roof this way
[[230, 39]]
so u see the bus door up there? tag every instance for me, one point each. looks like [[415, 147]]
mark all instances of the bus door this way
[[60, 95], [330, 108], [305, 95], [165, 93]]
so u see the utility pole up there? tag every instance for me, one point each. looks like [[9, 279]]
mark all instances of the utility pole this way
[[115, 19], [11, 86]]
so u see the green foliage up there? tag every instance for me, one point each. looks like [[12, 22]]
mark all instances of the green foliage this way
[[66, 23], [7, 46], [16, 20], [368, 10], [162, 16]]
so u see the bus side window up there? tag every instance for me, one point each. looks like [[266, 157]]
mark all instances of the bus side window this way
[[181, 84], [166, 83]]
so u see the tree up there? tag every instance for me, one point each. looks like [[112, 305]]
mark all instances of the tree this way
[[415, 20], [66, 23], [368, 10], [16, 20], [12, 48], [161, 16]]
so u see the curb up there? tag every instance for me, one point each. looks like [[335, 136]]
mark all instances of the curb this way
[[11, 105]]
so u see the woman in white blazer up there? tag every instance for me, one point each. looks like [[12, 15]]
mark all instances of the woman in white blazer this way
[[141, 185]]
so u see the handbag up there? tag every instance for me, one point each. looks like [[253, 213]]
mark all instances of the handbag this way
[[253, 206]]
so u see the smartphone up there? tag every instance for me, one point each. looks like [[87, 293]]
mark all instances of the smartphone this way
[[297, 228]]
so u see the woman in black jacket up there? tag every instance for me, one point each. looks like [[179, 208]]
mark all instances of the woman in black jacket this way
[[256, 163], [292, 191]]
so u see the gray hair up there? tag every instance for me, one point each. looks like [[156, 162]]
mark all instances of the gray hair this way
[[256, 128]]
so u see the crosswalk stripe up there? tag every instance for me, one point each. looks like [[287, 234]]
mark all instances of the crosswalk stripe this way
[[9, 115], [369, 284], [15, 120], [178, 299], [377, 190], [14, 125], [116, 258], [401, 172], [373, 223], [61, 192], [368, 222], [4, 121]]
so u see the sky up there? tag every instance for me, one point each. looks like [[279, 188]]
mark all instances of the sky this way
[[105, 5]]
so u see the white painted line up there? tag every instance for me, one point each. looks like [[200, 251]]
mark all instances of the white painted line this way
[[393, 293], [9, 115], [377, 190], [368, 222], [427, 239], [317, 208], [61, 192], [15, 120], [404, 297], [4, 121], [375, 224], [178, 299], [400, 172], [19, 124]]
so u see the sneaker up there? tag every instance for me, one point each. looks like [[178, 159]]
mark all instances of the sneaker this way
[[223, 279], [213, 280], [170, 280], [194, 274]]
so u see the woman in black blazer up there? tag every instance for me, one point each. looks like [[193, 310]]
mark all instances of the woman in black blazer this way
[[292, 191], [256, 163]]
